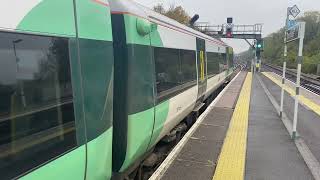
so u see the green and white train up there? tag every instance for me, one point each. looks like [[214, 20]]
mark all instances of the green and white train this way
[[89, 87]]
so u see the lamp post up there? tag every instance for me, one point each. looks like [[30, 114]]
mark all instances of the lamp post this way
[[23, 98]]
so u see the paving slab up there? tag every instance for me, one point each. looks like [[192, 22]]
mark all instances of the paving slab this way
[[271, 154], [308, 121], [197, 159]]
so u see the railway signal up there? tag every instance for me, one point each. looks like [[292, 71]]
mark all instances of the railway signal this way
[[259, 45], [229, 27], [229, 32], [193, 20]]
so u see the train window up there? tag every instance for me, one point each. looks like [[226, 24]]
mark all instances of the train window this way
[[188, 66], [213, 63], [167, 68], [36, 108], [223, 62]]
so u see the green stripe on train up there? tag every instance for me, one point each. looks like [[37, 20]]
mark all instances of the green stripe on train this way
[[57, 17], [140, 130], [99, 152], [133, 37], [50, 17], [141, 125], [94, 20], [162, 111], [74, 162]]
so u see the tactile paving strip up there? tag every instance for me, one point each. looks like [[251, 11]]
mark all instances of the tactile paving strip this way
[[309, 103], [231, 163]]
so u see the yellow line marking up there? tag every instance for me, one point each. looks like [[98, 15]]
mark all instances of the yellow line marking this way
[[302, 99], [231, 162]]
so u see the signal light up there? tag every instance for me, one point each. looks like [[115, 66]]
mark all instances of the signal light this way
[[229, 20], [229, 32], [229, 35], [259, 45]]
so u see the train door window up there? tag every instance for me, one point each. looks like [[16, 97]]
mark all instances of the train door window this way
[[36, 108], [230, 63], [201, 56], [213, 63], [188, 66], [167, 70]]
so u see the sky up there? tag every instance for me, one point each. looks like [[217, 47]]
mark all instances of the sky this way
[[271, 13]]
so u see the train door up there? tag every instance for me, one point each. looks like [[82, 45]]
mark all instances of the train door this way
[[201, 66], [134, 90], [95, 58]]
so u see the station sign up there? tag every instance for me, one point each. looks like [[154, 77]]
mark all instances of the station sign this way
[[294, 11], [294, 32], [291, 23]]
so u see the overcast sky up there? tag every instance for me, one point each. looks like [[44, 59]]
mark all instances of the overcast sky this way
[[271, 13]]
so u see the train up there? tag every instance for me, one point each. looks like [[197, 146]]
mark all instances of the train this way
[[88, 88]]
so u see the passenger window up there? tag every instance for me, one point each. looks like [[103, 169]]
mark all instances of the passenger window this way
[[188, 66], [36, 103], [167, 68], [213, 63]]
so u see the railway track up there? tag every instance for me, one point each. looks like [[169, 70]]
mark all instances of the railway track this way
[[312, 83]]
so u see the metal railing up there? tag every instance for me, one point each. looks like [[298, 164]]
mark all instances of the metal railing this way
[[236, 29]]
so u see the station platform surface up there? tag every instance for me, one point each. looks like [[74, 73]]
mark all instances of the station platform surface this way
[[241, 136]]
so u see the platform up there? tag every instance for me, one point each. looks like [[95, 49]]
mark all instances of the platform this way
[[241, 136]]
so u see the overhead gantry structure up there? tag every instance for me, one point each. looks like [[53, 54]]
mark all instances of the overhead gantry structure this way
[[232, 31]]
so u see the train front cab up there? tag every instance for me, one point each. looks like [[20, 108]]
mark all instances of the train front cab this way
[[56, 89]]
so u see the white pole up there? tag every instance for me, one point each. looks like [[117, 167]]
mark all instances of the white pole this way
[[283, 84], [296, 102], [299, 59], [284, 65], [283, 78]]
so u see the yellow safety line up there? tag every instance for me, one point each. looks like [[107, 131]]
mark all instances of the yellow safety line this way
[[307, 102], [231, 163]]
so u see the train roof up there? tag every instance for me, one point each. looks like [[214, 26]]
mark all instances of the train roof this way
[[136, 9]]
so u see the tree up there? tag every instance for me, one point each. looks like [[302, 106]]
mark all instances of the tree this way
[[174, 12], [159, 9], [273, 45]]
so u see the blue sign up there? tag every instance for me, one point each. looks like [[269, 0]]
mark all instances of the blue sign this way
[[291, 23], [292, 33]]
